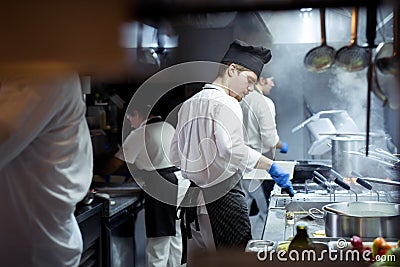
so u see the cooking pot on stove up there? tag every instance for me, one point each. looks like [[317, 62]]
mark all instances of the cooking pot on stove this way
[[346, 153], [345, 162], [368, 219]]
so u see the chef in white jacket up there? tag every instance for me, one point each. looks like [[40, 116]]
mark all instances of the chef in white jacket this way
[[208, 146], [262, 135], [45, 164]]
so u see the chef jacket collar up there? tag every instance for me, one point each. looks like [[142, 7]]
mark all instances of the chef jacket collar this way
[[214, 86]]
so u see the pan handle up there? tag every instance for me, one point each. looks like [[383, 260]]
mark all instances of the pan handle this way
[[354, 25], [364, 183], [341, 183]]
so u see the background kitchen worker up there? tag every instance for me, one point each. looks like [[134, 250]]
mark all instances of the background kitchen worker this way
[[209, 147], [260, 125], [147, 147], [45, 164]]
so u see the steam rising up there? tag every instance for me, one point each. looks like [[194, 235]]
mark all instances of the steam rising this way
[[351, 88]]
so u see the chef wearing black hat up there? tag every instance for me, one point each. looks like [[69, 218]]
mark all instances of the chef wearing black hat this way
[[209, 147]]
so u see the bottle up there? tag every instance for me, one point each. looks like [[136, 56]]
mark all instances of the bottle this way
[[301, 241]]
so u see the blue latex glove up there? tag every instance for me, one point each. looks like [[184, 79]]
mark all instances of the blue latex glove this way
[[284, 148], [281, 178]]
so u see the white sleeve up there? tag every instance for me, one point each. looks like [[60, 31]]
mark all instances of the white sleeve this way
[[132, 146], [27, 107], [266, 119]]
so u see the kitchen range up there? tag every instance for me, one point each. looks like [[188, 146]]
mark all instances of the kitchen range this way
[[108, 220], [333, 215]]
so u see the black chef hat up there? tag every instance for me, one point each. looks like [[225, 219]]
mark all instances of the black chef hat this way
[[250, 57]]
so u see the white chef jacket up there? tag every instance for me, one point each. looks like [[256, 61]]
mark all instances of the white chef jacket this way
[[148, 146], [259, 122], [208, 143], [45, 165]]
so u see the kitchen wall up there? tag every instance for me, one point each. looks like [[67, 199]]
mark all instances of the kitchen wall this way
[[207, 37]]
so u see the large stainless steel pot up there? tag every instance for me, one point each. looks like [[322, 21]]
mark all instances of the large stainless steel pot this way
[[345, 162], [346, 155], [366, 219]]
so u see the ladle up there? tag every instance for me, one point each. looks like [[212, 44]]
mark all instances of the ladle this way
[[352, 57], [322, 57]]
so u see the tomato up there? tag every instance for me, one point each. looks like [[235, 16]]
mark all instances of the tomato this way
[[379, 241], [380, 246], [356, 242]]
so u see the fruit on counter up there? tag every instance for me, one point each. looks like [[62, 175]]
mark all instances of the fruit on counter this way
[[382, 252], [358, 245], [380, 246], [356, 242]]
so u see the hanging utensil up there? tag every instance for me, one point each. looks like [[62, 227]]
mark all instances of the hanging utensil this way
[[322, 57], [352, 57], [390, 65], [383, 50], [387, 62]]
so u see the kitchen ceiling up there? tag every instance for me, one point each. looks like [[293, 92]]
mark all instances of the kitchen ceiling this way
[[296, 27], [285, 26]]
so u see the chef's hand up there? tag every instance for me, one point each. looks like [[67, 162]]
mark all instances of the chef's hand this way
[[281, 178], [284, 148]]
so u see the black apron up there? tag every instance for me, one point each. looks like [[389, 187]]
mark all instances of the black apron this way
[[229, 219], [230, 222], [160, 218]]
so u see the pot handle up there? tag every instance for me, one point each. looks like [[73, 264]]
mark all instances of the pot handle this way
[[312, 213]]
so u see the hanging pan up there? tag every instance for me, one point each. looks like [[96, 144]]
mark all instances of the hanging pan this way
[[390, 65], [322, 57], [383, 50], [386, 67], [352, 57]]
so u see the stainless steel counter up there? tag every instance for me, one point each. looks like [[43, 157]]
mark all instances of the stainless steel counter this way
[[279, 228]]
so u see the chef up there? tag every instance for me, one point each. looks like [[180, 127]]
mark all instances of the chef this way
[[209, 147], [147, 147], [45, 164], [262, 135]]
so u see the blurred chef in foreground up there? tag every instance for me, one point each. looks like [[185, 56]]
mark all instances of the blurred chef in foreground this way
[[45, 164]]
